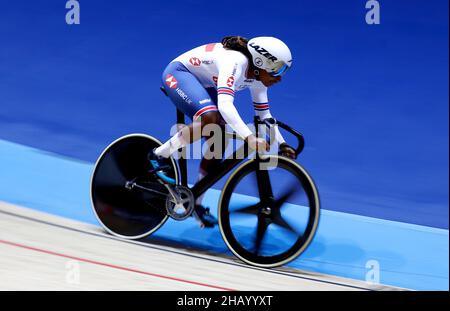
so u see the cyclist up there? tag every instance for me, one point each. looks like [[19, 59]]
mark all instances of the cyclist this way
[[202, 84]]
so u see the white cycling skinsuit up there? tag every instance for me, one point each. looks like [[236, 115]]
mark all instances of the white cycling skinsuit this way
[[206, 79]]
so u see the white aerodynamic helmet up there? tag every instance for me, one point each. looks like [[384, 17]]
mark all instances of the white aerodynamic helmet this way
[[270, 54]]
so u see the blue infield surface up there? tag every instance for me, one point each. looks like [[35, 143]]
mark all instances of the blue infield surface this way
[[408, 256]]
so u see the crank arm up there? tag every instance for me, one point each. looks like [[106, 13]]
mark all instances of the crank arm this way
[[174, 195], [132, 184]]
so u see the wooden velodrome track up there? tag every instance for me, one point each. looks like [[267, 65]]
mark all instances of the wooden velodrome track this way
[[44, 252]]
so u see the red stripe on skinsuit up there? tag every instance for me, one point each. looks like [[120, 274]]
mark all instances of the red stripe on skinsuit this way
[[204, 110], [210, 47]]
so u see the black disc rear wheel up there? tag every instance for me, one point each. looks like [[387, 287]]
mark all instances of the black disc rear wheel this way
[[128, 213]]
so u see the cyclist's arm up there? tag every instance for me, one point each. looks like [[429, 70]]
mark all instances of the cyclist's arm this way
[[230, 71], [261, 106]]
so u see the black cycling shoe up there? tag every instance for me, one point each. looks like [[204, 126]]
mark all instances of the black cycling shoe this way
[[159, 164], [204, 217]]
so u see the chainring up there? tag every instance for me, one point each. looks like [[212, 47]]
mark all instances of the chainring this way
[[184, 207]]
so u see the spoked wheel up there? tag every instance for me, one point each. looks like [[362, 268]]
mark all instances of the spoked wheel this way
[[269, 216], [130, 213]]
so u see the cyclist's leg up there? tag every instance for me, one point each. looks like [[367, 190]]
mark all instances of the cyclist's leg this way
[[213, 157], [200, 105], [190, 97]]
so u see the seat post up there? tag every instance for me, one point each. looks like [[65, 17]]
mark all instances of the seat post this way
[[180, 117], [182, 160]]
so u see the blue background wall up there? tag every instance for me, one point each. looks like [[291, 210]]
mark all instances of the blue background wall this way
[[372, 101]]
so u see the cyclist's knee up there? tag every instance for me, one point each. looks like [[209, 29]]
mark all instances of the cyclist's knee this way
[[213, 125], [212, 117]]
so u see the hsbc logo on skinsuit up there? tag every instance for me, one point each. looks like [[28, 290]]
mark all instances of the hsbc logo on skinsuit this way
[[195, 61], [183, 96], [230, 81], [171, 81]]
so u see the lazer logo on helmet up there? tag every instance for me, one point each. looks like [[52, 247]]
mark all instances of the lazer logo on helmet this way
[[263, 52]]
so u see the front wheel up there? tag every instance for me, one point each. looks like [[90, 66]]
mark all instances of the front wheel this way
[[269, 211]]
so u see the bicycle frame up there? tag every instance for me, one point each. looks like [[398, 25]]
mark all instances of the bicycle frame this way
[[133, 214], [209, 180], [231, 162]]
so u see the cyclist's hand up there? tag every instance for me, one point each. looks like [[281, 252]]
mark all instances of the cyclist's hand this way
[[256, 143], [287, 151]]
